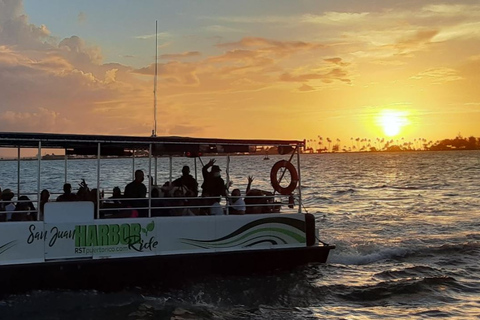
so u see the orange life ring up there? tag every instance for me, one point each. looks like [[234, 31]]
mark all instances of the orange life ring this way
[[293, 174]]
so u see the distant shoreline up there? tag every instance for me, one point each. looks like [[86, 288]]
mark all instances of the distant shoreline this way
[[233, 154]]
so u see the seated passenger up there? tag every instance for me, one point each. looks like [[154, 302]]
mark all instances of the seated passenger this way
[[157, 204], [236, 203], [7, 204], [83, 193], [113, 202], [179, 202], [257, 200], [187, 182], [93, 196], [29, 213], [44, 198], [216, 208], [67, 193], [136, 188], [116, 195]]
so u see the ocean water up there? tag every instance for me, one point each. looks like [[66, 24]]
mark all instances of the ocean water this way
[[406, 227]]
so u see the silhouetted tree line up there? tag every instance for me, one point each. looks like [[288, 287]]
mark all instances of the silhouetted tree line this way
[[393, 145]]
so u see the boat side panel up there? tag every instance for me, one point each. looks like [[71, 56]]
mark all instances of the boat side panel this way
[[259, 232], [21, 242], [172, 231], [25, 242]]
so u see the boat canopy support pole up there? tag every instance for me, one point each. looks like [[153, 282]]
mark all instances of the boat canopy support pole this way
[[299, 181], [195, 165], [18, 172], [39, 158], [66, 166], [150, 180], [133, 164], [171, 168], [227, 186], [156, 170], [98, 181]]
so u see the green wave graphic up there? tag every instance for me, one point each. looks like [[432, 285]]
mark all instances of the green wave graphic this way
[[247, 243], [245, 237]]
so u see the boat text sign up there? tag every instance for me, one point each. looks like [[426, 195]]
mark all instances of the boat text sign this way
[[25, 242]]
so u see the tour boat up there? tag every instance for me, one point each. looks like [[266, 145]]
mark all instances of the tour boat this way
[[81, 243]]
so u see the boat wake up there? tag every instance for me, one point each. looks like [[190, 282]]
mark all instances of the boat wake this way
[[348, 254]]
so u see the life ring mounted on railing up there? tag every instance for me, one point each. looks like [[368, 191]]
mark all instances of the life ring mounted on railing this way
[[288, 190]]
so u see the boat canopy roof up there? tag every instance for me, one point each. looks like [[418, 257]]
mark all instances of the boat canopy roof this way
[[84, 144]]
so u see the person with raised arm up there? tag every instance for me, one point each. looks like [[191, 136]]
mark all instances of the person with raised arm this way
[[213, 184]]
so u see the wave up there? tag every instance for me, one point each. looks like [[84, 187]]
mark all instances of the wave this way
[[366, 257], [363, 255], [408, 272], [405, 188], [384, 186], [345, 191], [389, 289], [461, 248]]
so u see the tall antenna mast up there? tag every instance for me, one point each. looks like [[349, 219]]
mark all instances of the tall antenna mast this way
[[155, 80]]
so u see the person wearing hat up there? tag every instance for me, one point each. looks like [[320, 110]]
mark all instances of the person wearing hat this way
[[213, 184], [187, 183], [7, 204]]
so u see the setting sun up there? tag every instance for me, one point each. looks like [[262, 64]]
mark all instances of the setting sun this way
[[392, 122]]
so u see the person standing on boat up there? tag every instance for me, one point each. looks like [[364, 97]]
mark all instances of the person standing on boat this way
[[187, 183], [213, 184], [136, 189]]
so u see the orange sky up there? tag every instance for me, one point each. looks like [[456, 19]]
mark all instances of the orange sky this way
[[269, 69]]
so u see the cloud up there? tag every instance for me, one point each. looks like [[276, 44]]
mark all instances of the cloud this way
[[182, 55], [40, 120], [174, 72], [261, 19], [336, 18], [15, 29], [450, 9], [160, 35], [65, 85], [57, 86], [272, 45], [438, 75], [337, 61], [305, 88], [415, 41], [327, 77]]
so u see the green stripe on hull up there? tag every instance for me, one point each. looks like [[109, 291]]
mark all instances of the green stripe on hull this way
[[245, 234]]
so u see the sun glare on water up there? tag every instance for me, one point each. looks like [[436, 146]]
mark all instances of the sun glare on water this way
[[392, 122]]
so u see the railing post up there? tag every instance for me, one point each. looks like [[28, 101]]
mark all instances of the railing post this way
[[18, 172], [150, 180], [98, 180], [66, 166], [299, 182], [39, 158]]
